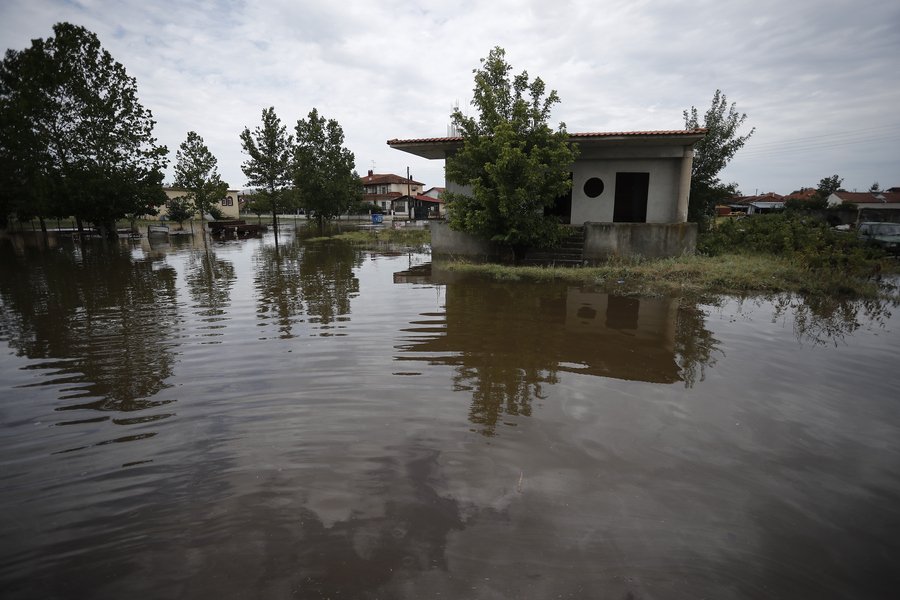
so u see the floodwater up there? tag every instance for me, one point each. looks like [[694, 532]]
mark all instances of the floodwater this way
[[317, 421]]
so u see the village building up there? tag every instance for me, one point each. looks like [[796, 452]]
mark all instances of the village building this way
[[229, 204], [390, 192], [629, 191]]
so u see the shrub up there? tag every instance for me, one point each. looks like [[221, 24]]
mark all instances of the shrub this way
[[796, 236]]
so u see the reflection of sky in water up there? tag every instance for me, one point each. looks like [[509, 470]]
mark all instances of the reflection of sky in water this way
[[667, 450]]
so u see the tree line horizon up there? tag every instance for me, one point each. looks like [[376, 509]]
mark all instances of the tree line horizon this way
[[75, 141]]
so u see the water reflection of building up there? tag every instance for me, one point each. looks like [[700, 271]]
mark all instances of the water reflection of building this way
[[509, 341], [621, 336]]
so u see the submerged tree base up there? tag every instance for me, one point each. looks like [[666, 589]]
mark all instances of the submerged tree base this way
[[702, 275]]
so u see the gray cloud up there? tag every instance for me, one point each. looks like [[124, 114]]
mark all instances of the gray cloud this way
[[393, 69]]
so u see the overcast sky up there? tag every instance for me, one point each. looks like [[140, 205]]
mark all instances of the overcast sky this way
[[820, 81]]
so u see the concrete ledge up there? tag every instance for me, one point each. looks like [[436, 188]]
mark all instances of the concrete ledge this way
[[649, 240], [446, 242]]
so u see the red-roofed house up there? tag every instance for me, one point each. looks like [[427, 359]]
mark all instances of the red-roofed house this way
[[383, 189], [629, 189], [866, 199]]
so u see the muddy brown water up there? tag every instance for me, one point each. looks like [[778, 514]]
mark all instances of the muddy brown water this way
[[317, 421]]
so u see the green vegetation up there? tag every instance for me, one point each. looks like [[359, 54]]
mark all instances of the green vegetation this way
[[711, 155], [512, 162], [197, 173], [760, 254], [268, 168], [74, 140], [323, 169], [691, 276], [374, 238]]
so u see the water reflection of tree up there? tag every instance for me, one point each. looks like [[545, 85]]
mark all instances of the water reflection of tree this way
[[508, 342], [106, 318], [277, 283], [209, 280], [821, 320], [327, 280], [694, 344]]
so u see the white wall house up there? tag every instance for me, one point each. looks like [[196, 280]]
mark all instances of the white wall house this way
[[863, 200], [228, 204], [383, 189], [629, 189], [618, 177]]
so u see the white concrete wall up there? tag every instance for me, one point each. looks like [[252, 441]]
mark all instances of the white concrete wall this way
[[662, 197], [230, 212]]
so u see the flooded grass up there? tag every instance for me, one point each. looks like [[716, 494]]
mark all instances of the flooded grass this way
[[737, 274], [416, 238]]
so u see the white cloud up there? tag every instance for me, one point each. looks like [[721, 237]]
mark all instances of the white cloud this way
[[386, 68]]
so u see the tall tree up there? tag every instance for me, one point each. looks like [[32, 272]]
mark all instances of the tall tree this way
[[828, 186], [268, 168], [197, 173], [323, 169], [74, 137], [512, 163], [711, 154]]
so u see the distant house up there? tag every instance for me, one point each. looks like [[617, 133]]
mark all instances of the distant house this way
[[761, 203], [229, 204], [803, 195], [887, 199], [419, 206], [870, 206], [435, 192], [382, 189], [629, 189]]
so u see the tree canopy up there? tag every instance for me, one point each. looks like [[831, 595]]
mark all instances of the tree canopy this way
[[711, 154], [268, 166], [512, 165], [323, 169], [74, 139], [196, 172]]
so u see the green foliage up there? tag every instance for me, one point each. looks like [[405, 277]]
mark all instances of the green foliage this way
[[811, 205], [512, 163], [180, 209], [268, 168], [711, 154], [197, 173], [362, 208], [794, 236], [323, 169], [216, 213], [828, 186], [74, 140]]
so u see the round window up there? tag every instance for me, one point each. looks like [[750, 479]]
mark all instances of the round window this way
[[593, 187]]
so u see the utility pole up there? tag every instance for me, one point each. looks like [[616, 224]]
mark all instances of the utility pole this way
[[408, 183]]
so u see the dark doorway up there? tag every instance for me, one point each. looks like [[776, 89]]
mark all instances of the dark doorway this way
[[562, 207], [631, 197]]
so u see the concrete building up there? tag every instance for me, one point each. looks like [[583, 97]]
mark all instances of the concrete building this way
[[383, 189], [634, 185], [881, 200], [229, 205]]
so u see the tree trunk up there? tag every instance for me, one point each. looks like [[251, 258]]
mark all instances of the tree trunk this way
[[275, 224], [80, 225]]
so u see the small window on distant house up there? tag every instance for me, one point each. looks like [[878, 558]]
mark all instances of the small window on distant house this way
[[593, 187], [227, 201]]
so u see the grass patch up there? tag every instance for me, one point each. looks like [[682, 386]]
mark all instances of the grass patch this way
[[697, 276], [411, 237]]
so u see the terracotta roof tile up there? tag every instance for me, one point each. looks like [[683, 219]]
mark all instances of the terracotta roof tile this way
[[869, 197], [594, 134], [383, 178]]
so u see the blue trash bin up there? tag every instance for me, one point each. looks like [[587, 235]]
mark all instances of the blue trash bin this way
[[377, 218]]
